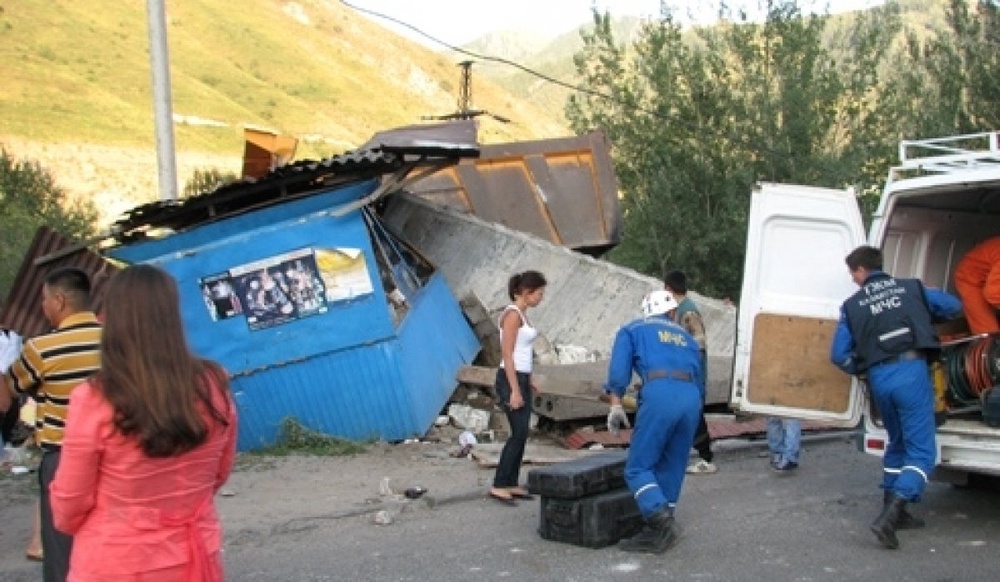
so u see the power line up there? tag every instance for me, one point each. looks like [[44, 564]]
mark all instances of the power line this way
[[475, 54], [728, 137]]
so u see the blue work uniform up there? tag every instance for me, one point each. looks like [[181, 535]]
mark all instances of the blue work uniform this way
[[886, 331], [668, 361]]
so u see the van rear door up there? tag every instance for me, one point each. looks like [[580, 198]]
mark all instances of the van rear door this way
[[794, 281]]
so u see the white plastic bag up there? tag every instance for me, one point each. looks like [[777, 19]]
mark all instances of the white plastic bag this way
[[10, 349]]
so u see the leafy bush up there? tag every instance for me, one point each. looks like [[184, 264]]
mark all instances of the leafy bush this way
[[30, 198], [298, 439], [206, 180]]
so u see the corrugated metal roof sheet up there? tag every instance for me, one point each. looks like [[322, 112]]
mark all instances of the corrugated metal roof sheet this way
[[388, 152], [22, 311]]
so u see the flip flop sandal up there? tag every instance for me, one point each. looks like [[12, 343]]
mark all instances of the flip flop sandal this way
[[34, 557], [520, 494], [510, 501]]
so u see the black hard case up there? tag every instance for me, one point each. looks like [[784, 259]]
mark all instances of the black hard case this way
[[592, 522], [578, 478], [991, 407]]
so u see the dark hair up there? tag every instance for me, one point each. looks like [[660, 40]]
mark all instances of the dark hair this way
[[155, 385], [526, 281], [73, 283], [865, 256], [676, 281]]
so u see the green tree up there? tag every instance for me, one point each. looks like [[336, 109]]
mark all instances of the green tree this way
[[696, 118], [29, 198], [872, 112], [953, 76]]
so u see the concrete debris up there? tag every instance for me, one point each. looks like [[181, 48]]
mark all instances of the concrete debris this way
[[467, 417]]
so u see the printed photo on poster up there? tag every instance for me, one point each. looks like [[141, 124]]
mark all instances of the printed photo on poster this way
[[280, 289], [345, 273], [220, 297]]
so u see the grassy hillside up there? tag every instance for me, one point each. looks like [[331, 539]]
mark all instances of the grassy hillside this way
[[553, 59], [75, 89], [73, 72]]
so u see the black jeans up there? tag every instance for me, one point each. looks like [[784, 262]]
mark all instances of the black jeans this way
[[509, 467], [702, 440], [56, 546]]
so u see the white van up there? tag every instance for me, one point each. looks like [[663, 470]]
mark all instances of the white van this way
[[941, 201]]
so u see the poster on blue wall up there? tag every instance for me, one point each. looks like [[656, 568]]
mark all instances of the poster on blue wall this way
[[282, 288], [272, 291], [220, 297], [345, 273]]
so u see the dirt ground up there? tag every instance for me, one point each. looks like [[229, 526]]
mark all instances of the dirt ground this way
[[266, 493]]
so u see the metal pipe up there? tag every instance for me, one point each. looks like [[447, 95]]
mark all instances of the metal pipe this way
[[160, 69]]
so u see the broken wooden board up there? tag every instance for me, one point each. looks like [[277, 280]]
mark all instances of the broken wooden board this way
[[487, 455], [790, 365], [565, 391]]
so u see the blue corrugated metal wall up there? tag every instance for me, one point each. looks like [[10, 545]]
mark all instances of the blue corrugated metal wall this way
[[347, 372], [200, 253], [435, 340], [391, 390], [357, 394]]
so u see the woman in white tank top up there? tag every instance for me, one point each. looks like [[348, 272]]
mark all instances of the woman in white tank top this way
[[526, 290]]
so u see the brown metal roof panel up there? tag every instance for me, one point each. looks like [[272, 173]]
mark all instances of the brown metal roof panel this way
[[505, 192], [22, 310], [559, 180], [563, 190], [544, 146], [451, 138]]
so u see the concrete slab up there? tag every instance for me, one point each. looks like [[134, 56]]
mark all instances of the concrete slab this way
[[586, 300]]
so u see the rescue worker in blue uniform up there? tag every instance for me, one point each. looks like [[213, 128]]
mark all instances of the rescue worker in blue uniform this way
[[886, 332], [668, 361]]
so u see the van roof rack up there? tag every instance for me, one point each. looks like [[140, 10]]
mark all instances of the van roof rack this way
[[945, 155]]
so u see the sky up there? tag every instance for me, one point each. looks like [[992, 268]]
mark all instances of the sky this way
[[457, 22]]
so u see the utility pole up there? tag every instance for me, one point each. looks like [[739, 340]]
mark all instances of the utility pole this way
[[465, 91], [160, 68], [465, 110]]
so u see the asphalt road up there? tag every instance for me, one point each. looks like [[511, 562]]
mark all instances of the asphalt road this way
[[743, 523]]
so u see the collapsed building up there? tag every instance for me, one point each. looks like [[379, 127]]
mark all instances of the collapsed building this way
[[330, 290]]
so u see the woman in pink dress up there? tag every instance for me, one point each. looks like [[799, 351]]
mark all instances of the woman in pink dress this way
[[148, 442]]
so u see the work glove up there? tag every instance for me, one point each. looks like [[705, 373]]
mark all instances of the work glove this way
[[617, 419]]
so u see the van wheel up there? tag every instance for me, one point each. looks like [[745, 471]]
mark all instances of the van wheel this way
[[980, 482]]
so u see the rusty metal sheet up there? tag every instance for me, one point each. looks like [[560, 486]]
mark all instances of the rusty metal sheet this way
[[265, 150], [562, 190], [22, 311], [587, 436]]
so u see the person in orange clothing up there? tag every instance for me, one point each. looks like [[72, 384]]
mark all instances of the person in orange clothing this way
[[977, 282], [148, 442]]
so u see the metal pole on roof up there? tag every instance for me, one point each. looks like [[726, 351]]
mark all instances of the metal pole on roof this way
[[160, 68]]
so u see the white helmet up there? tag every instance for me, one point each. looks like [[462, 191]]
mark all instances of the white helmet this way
[[658, 303]]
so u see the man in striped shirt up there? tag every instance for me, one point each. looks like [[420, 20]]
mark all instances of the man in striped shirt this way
[[50, 366]]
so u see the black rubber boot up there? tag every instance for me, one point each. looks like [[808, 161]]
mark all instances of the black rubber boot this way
[[656, 537], [887, 522], [906, 519]]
